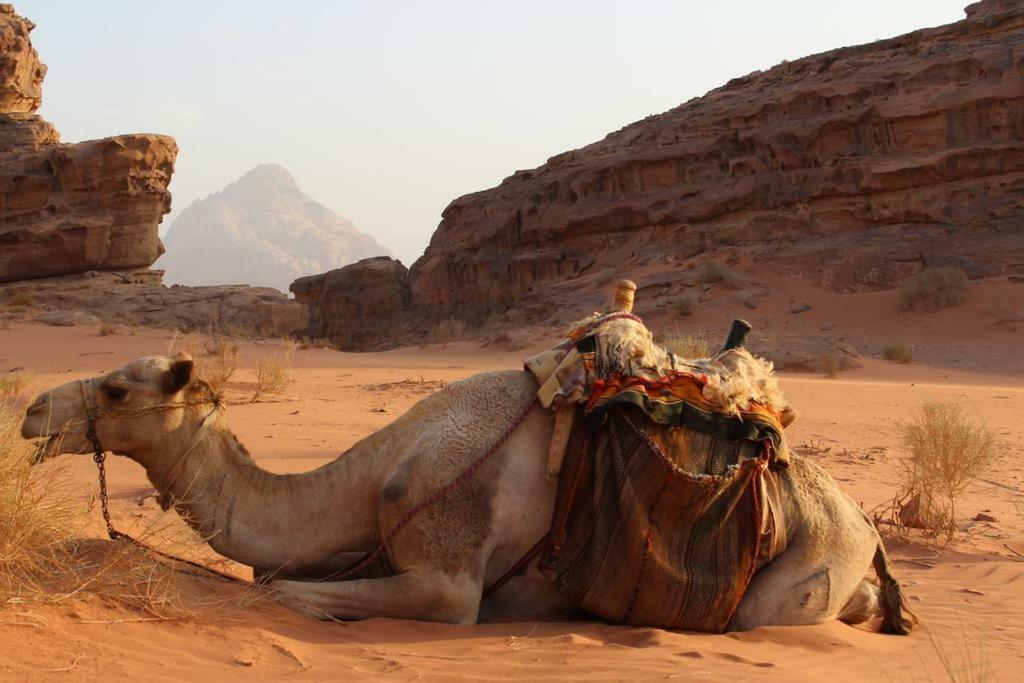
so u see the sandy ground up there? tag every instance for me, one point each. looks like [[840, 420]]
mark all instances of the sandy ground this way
[[968, 594]]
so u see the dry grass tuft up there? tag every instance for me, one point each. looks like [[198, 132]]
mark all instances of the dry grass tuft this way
[[106, 329], [20, 298], [689, 345], [218, 363], [684, 305], [273, 375], [830, 364], [39, 519], [934, 288], [448, 330], [947, 452], [713, 271], [1005, 309], [13, 383], [898, 352]]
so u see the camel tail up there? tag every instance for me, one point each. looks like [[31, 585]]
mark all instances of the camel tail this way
[[896, 615]]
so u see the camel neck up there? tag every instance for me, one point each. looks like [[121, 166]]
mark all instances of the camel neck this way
[[269, 520]]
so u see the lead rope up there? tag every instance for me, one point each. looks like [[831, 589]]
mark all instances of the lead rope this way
[[100, 457]]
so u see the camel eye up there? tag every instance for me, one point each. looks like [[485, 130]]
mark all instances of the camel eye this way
[[115, 393]]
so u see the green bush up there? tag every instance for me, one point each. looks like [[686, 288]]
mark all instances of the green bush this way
[[934, 288]]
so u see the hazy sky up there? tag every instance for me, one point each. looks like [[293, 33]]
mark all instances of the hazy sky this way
[[387, 111]]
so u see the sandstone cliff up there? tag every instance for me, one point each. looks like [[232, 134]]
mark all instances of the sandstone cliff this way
[[260, 230], [72, 215], [70, 208], [852, 168]]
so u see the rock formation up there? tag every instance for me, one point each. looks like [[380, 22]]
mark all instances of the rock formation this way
[[853, 168], [369, 296], [138, 298], [70, 208], [260, 230], [71, 215]]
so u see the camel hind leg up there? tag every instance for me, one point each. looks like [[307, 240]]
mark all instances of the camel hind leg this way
[[814, 580]]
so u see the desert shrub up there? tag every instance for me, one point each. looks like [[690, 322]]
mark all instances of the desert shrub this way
[[36, 506], [448, 330], [13, 383], [218, 363], [713, 271], [689, 345], [898, 352], [106, 329], [273, 375], [20, 298], [946, 453], [1005, 309], [934, 288], [684, 305], [830, 364]]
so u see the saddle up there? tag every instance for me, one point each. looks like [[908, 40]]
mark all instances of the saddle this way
[[667, 499]]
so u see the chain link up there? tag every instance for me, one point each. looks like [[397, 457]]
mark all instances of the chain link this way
[[99, 457]]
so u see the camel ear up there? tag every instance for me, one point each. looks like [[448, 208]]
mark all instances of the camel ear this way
[[178, 376]]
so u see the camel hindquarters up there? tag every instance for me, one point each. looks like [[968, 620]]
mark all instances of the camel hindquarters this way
[[820, 575]]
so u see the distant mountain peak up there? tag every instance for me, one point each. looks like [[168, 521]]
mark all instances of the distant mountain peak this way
[[260, 230], [273, 174]]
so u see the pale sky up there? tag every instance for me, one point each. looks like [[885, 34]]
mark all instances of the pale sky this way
[[387, 111]]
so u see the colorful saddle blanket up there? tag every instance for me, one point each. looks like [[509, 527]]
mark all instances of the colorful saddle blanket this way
[[667, 503]]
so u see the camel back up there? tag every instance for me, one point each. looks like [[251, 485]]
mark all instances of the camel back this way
[[667, 503]]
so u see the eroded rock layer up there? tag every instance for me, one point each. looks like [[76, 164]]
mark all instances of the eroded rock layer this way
[[70, 208], [853, 168], [138, 298]]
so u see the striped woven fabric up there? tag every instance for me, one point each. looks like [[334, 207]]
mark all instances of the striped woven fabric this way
[[661, 525]]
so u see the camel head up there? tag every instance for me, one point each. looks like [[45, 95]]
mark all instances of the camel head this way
[[136, 406]]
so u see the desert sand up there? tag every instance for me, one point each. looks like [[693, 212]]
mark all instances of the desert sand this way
[[967, 594]]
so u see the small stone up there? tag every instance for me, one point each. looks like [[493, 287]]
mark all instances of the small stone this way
[[241, 661], [800, 308], [982, 517], [750, 303]]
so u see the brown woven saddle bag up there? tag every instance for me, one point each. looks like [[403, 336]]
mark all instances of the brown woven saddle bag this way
[[660, 525]]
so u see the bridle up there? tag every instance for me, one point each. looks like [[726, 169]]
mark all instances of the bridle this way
[[93, 414]]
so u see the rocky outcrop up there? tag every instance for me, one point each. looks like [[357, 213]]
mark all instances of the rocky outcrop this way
[[72, 215], [260, 230], [854, 168], [138, 298], [70, 208], [360, 306]]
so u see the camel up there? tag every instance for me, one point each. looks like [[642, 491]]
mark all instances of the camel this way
[[296, 528]]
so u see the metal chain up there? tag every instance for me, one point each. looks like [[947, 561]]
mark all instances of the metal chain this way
[[99, 457]]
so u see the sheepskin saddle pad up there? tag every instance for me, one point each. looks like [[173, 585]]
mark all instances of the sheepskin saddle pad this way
[[667, 502]]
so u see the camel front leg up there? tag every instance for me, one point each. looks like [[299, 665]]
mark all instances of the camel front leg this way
[[426, 596]]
